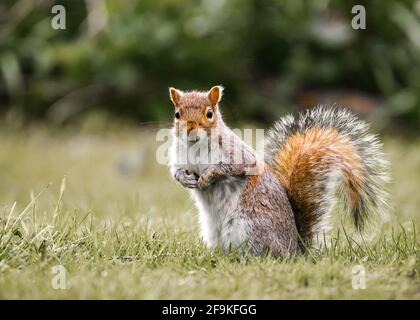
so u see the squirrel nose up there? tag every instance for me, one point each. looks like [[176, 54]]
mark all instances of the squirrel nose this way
[[193, 136]]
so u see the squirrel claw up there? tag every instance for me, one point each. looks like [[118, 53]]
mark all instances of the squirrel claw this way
[[187, 179], [204, 183]]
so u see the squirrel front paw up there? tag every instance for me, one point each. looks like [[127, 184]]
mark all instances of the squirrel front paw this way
[[186, 178]]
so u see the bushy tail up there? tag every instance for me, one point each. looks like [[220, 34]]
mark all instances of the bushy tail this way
[[324, 158]]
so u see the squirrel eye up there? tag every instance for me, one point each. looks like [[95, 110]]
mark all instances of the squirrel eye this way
[[209, 114], [177, 114]]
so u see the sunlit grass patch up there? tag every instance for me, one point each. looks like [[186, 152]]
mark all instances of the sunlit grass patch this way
[[127, 231]]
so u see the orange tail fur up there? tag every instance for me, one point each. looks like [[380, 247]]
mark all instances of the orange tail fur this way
[[328, 157]]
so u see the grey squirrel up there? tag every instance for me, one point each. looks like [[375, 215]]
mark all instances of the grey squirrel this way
[[324, 157]]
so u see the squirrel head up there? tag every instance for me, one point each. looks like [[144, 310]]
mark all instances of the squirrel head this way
[[196, 110]]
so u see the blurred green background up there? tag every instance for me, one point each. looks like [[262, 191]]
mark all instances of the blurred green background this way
[[79, 112], [119, 58]]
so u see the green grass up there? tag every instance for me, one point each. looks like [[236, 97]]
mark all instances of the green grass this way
[[132, 233]]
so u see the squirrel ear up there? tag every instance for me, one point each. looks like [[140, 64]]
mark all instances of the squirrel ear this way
[[175, 95], [215, 94]]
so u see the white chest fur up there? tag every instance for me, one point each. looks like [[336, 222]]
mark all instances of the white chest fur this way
[[221, 221], [222, 224]]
